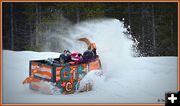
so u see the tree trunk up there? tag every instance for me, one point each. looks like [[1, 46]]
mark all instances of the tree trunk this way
[[142, 27], [31, 34], [39, 19], [153, 30], [129, 14], [77, 15], [12, 27], [172, 31], [36, 30]]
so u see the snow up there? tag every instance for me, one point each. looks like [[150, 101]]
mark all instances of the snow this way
[[143, 82], [123, 78]]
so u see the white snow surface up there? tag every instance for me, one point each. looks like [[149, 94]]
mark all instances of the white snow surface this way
[[125, 79], [145, 81]]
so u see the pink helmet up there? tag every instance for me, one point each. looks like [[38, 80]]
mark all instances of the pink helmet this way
[[76, 56]]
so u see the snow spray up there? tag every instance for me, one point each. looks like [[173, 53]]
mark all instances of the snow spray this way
[[114, 45]]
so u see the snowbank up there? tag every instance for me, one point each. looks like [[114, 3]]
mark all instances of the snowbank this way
[[145, 81]]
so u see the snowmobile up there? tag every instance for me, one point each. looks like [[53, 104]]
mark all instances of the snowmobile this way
[[62, 78]]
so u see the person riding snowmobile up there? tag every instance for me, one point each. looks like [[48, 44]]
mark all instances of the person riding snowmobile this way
[[91, 52], [93, 48], [76, 57], [65, 57], [90, 46]]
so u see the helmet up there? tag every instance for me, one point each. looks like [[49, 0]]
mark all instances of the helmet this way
[[65, 56], [88, 54], [76, 56], [66, 52]]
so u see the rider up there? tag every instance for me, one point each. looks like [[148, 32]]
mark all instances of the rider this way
[[76, 57], [65, 57], [90, 54], [93, 48]]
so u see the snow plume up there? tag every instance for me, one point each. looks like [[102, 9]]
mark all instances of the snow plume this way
[[54, 35], [114, 45]]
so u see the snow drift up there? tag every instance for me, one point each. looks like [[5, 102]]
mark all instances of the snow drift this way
[[125, 79]]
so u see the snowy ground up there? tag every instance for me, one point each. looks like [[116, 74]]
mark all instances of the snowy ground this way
[[144, 81]]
